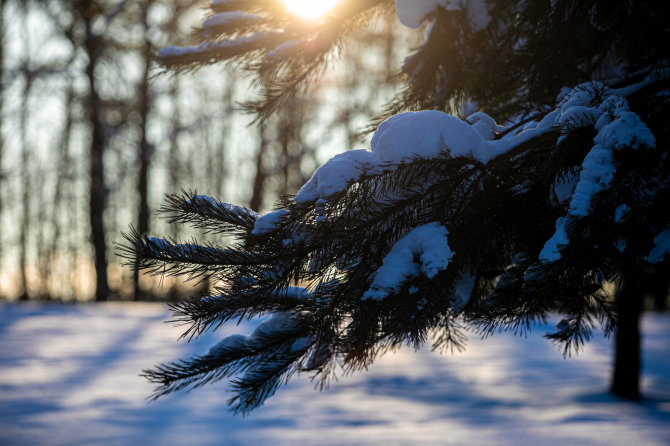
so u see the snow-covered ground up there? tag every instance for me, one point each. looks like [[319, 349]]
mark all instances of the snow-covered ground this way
[[69, 376]]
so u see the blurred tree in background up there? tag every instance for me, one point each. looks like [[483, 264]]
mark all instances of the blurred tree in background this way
[[93, 133]]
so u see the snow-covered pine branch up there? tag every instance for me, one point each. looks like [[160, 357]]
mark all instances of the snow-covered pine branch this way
[[160, 256], [445, 222], [438, 222], [284, 51], [207, 213]]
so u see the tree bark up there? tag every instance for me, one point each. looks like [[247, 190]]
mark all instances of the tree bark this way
[[626, 382], [26, 223], [145, 150], [2, 113], [98, 188], [259, 181]]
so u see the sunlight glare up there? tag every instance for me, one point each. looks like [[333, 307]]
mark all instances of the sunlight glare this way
[[310, 9]]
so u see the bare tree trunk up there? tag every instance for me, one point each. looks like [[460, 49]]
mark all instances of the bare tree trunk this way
[[221, 170], [145, 150], [629, 297], [43, 261], [98, 188], [25, 186], [2, 112], [259, 181], [658, 285], [63, 175], [285, 130]]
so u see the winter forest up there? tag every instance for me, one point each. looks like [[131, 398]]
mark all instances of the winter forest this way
[[365, 222]]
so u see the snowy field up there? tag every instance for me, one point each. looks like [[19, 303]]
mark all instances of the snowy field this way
[[69, 376]]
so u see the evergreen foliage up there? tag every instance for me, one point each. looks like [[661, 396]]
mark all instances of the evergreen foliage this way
[[578, 199]]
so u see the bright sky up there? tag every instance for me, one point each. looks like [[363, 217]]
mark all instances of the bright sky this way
[[310, 9]]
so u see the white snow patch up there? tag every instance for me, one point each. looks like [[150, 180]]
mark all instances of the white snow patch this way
[[63, 383], [403, 137], [178, 51], [227, 206], [425, 134], [282, 49], [268, 222], [549, 120], [232, 342], [577, 117], [564, 187], [596, 175], [278, 323], [463, 292], [661, 247], [337, 173], [617, 128], [300, 344], [552, 249], [622, 128], [429, 133], [429, 242], [620, 212], [484, 124], [621, 245]]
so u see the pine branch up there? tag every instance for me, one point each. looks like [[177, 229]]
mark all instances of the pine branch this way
[[237, 353], [207, 213], [160, 257], [208, 313], [284, 52]]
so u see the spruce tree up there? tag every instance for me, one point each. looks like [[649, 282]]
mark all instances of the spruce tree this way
[[546, 183]]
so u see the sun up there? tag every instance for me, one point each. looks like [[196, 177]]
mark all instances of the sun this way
[[310, 9]]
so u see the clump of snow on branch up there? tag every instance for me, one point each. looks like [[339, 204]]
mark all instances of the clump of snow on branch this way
[[431, 133], [427, 242], [268, 222], [620, 212], [226, 19], [424, 134], [406, 136], [484, 124], [278, 323], [564, 187], [661, 247], [256, 38], [462, 292], [552, 249], [337, 173], [283, 49], [617, 128], [197, 199], [412, 13]]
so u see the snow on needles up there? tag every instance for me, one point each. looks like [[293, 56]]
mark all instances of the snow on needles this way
[[617, 128], [406, 136], [424, 134], [661, 247], [278, 323], [268, 222], [225, 19], [337, 173], [429, 243]]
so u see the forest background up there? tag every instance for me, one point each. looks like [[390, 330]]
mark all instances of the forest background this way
[[94, 132]]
